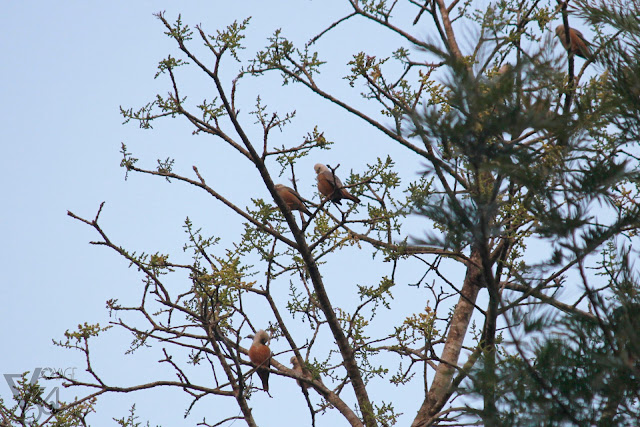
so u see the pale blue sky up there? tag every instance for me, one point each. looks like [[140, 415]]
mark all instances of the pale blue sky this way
[[67, 67]]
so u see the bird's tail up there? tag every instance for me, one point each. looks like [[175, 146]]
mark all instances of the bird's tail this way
[[350, 196], [264, 377]]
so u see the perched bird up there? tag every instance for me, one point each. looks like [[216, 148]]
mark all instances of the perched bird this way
[[299, 370], [579, 46], [330, 185], [260, 355], [292, 199], [504, 69]]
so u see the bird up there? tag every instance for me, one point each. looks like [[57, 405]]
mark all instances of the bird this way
[[298, 369], [504, 69], [260, 356], [579, 46], [330, 185], [292, 199]]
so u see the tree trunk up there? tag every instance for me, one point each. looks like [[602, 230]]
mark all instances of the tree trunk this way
[[433, 403]]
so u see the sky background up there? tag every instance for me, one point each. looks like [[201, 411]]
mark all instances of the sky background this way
[[67, 68]]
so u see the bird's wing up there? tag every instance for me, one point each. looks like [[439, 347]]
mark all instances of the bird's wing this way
[[578, 33], [334, 180], [294, 192]]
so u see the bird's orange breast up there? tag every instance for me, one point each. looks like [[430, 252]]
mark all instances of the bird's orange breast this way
[[259, 354]]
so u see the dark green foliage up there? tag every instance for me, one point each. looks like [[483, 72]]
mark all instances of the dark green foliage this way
[[571, 369]]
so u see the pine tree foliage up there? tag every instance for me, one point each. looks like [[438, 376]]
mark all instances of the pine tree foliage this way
[[581, 368]]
